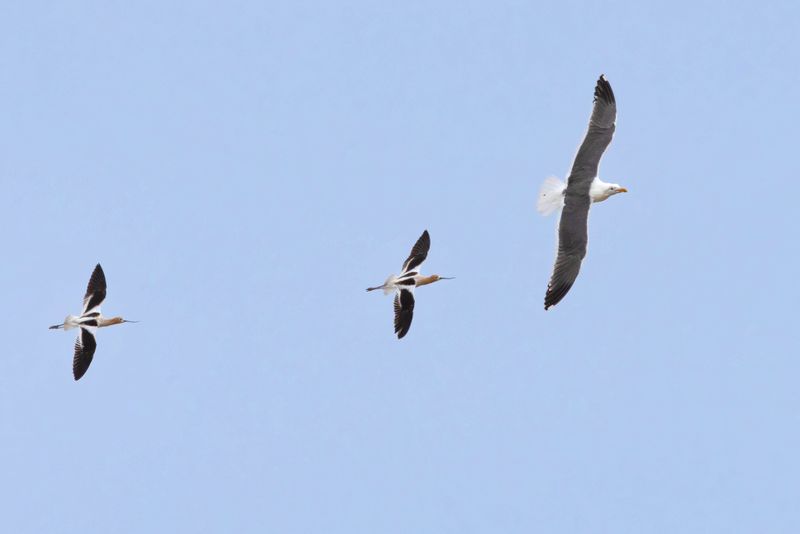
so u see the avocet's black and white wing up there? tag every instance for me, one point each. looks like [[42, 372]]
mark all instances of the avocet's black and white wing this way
[[85, 346], [95, 291], [418, 253], [573, 227], [403, 311]]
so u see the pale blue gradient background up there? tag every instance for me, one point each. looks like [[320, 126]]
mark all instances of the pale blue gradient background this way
[[243, 170]]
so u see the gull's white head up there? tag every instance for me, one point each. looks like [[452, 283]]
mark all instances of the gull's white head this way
[[613, 189], [602, 190]]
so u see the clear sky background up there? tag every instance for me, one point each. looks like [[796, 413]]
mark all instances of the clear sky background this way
[[243, 170]]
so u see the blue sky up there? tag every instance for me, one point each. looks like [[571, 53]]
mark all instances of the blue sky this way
[[244, 170]]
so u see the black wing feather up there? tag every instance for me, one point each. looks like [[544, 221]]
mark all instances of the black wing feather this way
[[418, 253], [403, 312], [85, 346], [96, 290]]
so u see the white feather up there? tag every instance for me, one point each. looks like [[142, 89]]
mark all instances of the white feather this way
[[551, 196], [388, 285], [71, 321]]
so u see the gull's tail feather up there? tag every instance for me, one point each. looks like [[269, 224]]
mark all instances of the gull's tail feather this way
[[551, 196]]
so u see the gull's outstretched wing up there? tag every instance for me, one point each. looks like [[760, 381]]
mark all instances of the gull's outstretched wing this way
[[95, 291], [572, 240], [85, 346], [598, 137], [403, 312], [418, 253], [573, 226]]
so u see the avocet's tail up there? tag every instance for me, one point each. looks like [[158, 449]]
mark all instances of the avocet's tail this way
[[388, 285], [70, 321], [551, 196]]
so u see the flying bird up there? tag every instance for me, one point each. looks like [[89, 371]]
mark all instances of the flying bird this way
[[403, 285], [583, 187], [88, 322]]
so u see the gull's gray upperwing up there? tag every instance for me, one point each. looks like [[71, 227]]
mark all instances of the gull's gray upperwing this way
[[573, 226]]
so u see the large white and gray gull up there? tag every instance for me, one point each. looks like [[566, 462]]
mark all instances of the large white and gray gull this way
[[576, 196]]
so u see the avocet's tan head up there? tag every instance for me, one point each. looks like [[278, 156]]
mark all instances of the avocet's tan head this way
[[114, 320], [433, 278]]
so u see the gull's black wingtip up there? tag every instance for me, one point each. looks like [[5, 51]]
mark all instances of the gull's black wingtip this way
[[555, 293], [602, 90]]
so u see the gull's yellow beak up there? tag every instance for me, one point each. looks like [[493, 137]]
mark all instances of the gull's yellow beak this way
[[622, 190]]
